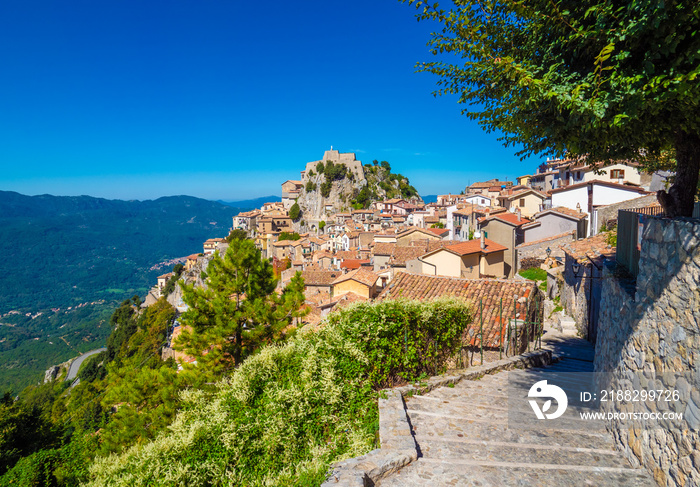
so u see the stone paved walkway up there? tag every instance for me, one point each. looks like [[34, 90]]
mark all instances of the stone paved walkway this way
[[465, 439]]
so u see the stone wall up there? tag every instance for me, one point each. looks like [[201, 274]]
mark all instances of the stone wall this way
[[609, 212], [538, 249], [649, 328], [581, 294]]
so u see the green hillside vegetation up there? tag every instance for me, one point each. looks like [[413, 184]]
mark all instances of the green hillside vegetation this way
[[280, 418], [382, 184], [67, 251]]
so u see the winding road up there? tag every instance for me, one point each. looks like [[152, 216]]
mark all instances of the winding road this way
[[75, 366]]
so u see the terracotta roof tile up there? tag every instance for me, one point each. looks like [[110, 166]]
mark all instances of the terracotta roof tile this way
[[440, 232], [319, 277], [594, 248], [384, 248], [361, 275], [353, 263], [579, 215], [403, 254], [474, 247], [509, 217], [347, 254], [517, 299]]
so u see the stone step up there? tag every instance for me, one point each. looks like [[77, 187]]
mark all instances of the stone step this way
[[482, 411], [453, 428], [499, 451], [437, 419], [463, 473]]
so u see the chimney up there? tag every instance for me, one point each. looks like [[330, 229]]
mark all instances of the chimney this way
[[517, 212], [483, 241]]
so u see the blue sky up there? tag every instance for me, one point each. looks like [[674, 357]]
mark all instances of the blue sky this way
[[224, 99]]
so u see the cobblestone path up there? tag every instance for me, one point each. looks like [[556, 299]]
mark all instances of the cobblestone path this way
[[465, 438]]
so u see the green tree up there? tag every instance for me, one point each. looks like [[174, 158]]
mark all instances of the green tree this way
[[289, 236], [321, 225], [295, 211], [23, 431], [326, 189], [601, 79], [237, 234], [235, 313]]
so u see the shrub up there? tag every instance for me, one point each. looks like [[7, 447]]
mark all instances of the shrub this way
[[294, 212], [290, 411]]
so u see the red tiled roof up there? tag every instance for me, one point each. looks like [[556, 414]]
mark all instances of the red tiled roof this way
[[353, 263], [361, 275], [474, 247], [319, 277], [384, 248], [508, 217], [347, 254], [440, 232], [579, 215], [403, 254], [516, 295], [593, 248]]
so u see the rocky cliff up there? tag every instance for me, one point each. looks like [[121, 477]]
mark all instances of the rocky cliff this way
[[340, 183]]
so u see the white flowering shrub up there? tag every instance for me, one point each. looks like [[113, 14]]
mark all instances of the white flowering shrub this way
[[291, 410]]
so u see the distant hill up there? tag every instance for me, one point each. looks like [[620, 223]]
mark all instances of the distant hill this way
[[246, 205], [430, 198], [62, 252]]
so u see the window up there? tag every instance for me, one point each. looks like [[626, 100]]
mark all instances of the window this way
[[617, 173], [522, 202]]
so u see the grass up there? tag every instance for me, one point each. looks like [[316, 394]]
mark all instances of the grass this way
[[534, 274]]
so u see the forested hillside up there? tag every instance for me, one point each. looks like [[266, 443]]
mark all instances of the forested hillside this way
[[69, 261]]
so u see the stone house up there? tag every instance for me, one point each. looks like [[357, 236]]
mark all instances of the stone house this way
[[191, 261], [415, 234], [476, 199], [211, 244], [588, 196], [362, 282], [505, 229], [556, 221], [319, 281], [362, 216], [391, 206], [526, 200], [246, 221], [290, 192], [466, 260], [163, 280], [274, 223]]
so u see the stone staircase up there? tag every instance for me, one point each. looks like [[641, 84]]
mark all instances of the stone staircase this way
[[464, 437]]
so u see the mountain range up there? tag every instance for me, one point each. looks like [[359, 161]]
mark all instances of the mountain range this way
[[68, 261]]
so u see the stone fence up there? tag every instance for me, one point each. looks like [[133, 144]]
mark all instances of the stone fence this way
[[652, 327], [538, 248]]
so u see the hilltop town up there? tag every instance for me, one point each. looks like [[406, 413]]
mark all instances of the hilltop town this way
[[396, 246]]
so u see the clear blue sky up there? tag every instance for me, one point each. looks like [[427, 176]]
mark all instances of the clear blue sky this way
[[224, 99]]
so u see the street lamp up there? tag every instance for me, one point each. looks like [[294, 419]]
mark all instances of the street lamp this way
[[575, 267], [549, 251]]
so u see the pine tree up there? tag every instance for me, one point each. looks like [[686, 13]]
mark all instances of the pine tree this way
[[236, 311]]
